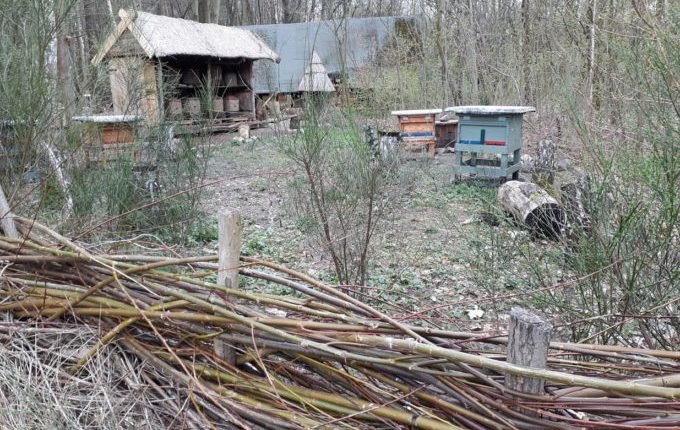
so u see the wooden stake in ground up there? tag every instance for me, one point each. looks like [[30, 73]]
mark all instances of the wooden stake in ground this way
[[544, 167], [229, 252], [7, 218], [528, 343]]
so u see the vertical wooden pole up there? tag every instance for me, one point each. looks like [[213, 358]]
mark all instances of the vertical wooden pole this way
[[544, 169], [229, 252], [528, 343], [7, 225]]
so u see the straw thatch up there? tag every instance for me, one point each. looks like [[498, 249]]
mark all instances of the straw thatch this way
[[162, 36]]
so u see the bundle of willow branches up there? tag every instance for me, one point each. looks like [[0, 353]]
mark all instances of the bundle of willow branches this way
[[313, 357]]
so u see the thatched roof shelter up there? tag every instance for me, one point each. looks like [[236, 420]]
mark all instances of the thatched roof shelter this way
[[161, 36]]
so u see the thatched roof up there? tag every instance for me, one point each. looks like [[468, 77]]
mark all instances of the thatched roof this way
[[315, 77], [162, 36]]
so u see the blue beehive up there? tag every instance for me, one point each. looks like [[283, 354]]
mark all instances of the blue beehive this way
[[489, 140]]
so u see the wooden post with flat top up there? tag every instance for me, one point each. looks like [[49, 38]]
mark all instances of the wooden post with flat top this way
[[229, 252], [7, 226], [528, 343]]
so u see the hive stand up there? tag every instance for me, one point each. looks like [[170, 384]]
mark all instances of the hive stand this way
[[491, 131]]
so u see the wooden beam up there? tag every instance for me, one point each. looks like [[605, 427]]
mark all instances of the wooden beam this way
[[127, 18]]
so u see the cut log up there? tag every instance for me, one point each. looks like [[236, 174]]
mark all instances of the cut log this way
[[7, 225], [528, 343], [532, 206]]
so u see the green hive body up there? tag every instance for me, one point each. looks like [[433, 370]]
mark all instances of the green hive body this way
[[489, 132]]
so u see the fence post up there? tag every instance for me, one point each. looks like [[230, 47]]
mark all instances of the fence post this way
[[7, 225], [528, 343], [229, 252]]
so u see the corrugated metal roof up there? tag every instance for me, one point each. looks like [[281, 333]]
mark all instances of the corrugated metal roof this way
[[340, 44], [162, 36]]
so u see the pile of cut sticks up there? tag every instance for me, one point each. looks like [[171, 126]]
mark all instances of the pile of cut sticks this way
[[313, 357]]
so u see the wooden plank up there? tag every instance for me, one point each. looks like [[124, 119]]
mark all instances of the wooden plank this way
[[119, 87], [117, 134], [125, 22], [150, 105], [417, 127], [416, 119]]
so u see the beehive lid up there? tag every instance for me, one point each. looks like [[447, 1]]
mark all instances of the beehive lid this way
[[416, 112], [107, 119], [491, 110]]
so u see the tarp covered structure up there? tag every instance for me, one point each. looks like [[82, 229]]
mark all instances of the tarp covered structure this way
[[341, 45]]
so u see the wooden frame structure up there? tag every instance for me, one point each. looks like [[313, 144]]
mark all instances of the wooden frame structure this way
[[168, 68]]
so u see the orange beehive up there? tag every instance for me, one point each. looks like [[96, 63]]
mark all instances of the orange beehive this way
[[417, 129]]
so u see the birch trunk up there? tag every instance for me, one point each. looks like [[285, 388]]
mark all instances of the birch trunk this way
[[532, 206]]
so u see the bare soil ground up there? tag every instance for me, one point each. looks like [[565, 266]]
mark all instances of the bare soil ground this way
[[435, 255]]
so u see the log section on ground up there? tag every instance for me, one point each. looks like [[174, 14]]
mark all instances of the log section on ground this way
[[532, 206]]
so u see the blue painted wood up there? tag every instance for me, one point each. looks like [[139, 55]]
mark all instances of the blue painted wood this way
[[417, 134], [488, 145]]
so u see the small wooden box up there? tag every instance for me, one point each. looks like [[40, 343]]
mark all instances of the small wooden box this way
[[446, 133]]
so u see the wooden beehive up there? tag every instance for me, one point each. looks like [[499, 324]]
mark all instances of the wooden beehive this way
[[175, 107], [417, 129], [489, 140], [192, 106], [445, 132], [232, 103]]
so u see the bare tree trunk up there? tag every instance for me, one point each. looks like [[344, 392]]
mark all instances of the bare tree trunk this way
[[207, 10], [526, 54], [288, 15], [440, 41], [591, 66], [64, 68]]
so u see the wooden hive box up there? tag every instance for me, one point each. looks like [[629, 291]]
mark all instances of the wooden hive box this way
[[489, 140], [417, 129]]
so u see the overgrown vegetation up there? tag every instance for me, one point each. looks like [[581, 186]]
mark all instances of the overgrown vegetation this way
[[344, 191]]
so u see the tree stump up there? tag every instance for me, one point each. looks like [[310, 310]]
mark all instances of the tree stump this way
[[532, 206], [528, 343]]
